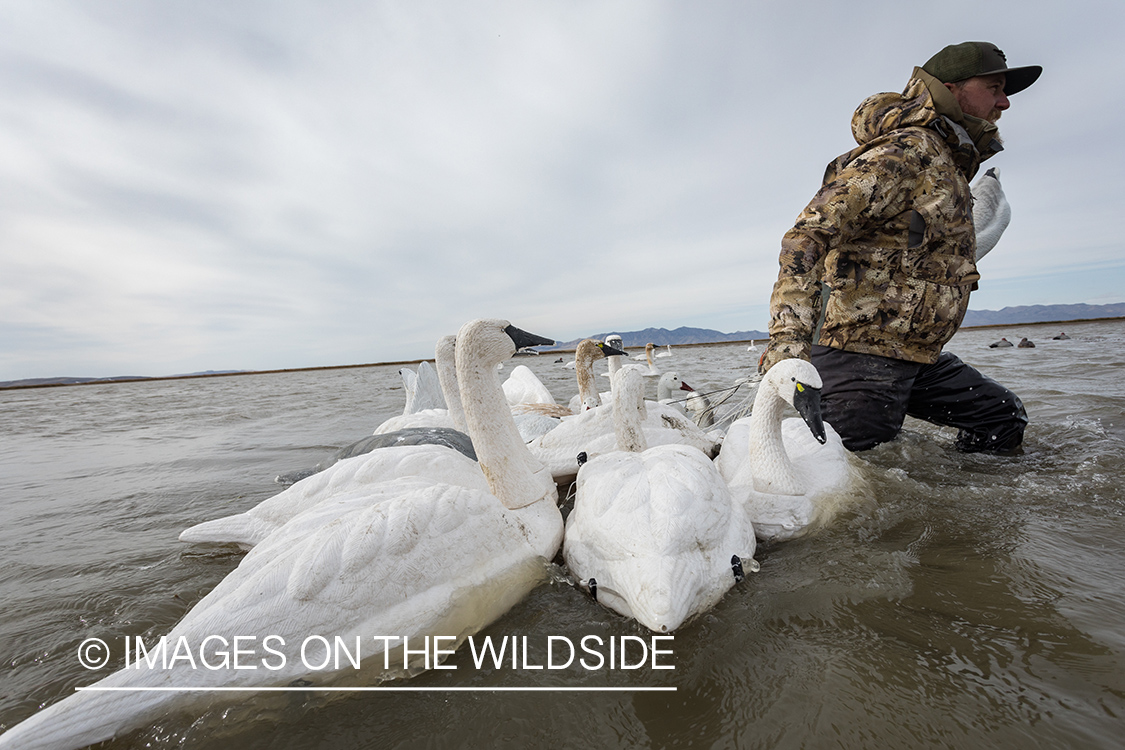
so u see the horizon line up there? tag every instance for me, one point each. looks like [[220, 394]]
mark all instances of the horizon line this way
[[120, 379], [373, 688]]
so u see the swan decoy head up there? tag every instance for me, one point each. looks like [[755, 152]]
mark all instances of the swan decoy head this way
[[616, 342], [610, 349], [591, 349], [806, 400], [798, 382]]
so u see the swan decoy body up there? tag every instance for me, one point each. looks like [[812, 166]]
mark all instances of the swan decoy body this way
[[654, 532], [1003, 342], [376, 563], [991, 211], [344, 478], [791, 475], [447, 436], [523, 387]]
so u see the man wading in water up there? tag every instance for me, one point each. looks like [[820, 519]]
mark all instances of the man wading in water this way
[[890, 234]]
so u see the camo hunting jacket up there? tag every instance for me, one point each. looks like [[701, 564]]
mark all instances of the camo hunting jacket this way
[[890, 233]]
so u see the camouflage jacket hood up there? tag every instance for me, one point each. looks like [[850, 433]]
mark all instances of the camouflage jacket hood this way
[[890, 233]]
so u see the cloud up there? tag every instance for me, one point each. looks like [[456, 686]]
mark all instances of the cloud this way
[[204, 185]]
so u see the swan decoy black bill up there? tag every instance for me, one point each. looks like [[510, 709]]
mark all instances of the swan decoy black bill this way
[[806, 400], [523, 339]]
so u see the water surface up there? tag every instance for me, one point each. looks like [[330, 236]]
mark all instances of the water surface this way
[[972, 601]]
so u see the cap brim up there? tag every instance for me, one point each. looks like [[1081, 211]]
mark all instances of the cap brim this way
[[1017, 79]]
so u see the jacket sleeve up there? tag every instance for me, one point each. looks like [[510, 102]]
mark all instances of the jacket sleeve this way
[[858, 193]]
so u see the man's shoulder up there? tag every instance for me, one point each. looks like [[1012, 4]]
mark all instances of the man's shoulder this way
[[901, 147]]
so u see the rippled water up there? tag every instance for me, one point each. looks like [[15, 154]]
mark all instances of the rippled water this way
[[973, 601]]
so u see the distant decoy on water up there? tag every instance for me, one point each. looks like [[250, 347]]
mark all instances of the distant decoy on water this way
[[1001, 343], [1060, 337], [1026, 343]]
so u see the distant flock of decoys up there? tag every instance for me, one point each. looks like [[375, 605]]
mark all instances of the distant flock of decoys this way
[[1025, 343], [450, 514]]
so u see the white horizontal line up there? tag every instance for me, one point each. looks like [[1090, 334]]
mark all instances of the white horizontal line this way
[[323, 689]]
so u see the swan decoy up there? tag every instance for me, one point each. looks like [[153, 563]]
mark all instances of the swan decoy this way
[[653, 371], [423, 389], [614, 361], [667, 391], [378, 563], [592, 432], [1061, 337], [791, 475], [991, 211], [429, 406], [586, 353], [654, 533], [536, 420], [524, 387], [666, 353], [1003, 342]]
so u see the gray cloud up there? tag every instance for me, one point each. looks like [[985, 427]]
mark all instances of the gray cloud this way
[[204, 185]]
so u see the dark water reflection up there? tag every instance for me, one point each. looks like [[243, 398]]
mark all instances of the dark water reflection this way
[[971, 601]]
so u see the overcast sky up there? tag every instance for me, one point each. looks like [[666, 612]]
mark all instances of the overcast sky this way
[[212, 185]]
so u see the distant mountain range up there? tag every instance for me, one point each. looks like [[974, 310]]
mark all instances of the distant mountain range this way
[[662, 337], [1008, 316], [1041, 314], [973, 318]]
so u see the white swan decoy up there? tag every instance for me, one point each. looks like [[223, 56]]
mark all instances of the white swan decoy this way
[[586, 353], [667, 391], [614, 362], [429, 405], [654, 533], [666, 353], [536, 420], [524, 387], [592, 432], [423, 389], [792, 476], [377, 564], [991, 211], [653, 370]]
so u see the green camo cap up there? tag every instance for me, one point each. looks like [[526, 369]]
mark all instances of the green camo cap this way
[[968, 59]]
